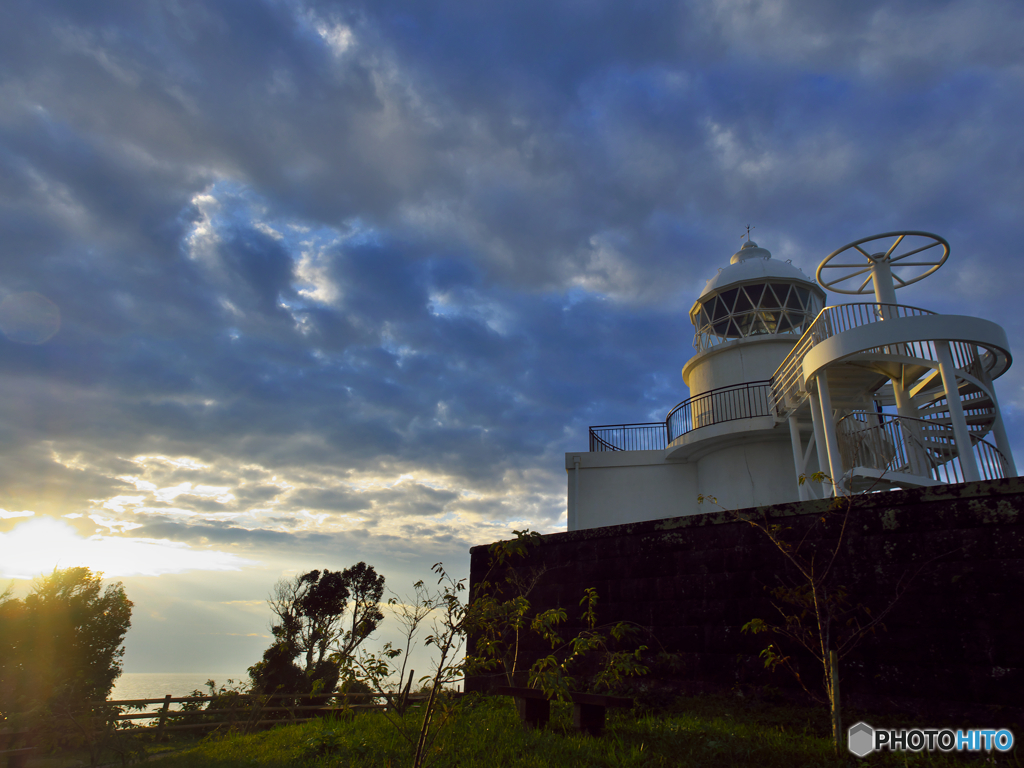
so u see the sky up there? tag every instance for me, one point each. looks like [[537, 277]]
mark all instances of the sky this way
[[289, 285]]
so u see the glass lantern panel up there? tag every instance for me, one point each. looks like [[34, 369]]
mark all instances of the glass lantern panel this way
[[770, 300], [728, 298], [742, 303], [744, 322], [702, 318], [757, 327], [754, 292], [718, 310], [793, 301]]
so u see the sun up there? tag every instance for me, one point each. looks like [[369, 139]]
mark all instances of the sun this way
[[41, 544]]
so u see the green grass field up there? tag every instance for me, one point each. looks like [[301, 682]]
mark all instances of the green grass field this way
[[700, 731]]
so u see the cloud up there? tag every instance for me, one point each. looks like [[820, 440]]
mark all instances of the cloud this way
[[9, 515], [40, 545], [347, 280]]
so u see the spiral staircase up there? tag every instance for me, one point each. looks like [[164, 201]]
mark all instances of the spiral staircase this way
[[895, 396], [914, 451]]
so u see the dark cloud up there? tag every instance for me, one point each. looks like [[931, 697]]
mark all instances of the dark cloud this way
[[208, 532], [384, 262], [337, 499]]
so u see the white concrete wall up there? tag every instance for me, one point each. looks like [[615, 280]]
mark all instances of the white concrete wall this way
[[750, 474], [629, 486], [745, 462], [734, 362]]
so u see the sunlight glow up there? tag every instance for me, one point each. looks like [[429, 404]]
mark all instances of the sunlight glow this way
[[181, 462], [221, 494], [139, 483], [5, 515], [114, 526], [39, 545], [118, 503]]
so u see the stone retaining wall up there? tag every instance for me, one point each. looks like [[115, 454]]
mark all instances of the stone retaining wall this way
[[955, 640]]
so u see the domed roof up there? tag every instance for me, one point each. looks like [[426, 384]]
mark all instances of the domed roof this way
[[751, 263]]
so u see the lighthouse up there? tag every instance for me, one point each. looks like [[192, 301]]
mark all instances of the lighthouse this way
[[785, 386]]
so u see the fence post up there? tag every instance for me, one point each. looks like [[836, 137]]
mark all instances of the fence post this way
[[403, 699], [163, 715]]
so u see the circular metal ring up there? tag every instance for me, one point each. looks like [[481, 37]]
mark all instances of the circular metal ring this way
[[894, 255]]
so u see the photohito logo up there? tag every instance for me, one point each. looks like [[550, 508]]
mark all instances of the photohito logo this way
[[862, 739]]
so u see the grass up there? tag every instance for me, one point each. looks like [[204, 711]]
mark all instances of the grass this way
[[698, 731], [77, 757]]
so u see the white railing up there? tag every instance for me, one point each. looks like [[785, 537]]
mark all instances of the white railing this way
[[911, 446], [787, 392]]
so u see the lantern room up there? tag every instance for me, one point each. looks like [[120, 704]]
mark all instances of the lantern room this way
[[754, 296]]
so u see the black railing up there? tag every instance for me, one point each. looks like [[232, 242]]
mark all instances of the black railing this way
[[738, 401], [628, 437]]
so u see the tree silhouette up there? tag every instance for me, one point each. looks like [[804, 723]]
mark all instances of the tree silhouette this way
[[322, 618], [61, 646]]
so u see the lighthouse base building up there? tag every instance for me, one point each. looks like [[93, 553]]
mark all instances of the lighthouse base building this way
[[792, 400]]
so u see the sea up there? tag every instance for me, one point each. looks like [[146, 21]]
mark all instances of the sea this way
[[156, 685]]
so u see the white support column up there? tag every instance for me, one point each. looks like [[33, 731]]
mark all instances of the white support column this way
[[885, 291], [835, 464], [913, 439], [819, 440], [798, 455], [956, 412], [812, 444], [998, 428]]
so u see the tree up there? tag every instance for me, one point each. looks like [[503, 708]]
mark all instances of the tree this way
[[61, 646], [315, 623], [449, 615], [366, 589], [499, 618], [816, 610], [504, 626], [12, 619], [410, 612]]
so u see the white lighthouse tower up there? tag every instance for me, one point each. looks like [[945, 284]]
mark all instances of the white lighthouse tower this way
[[875, 395]]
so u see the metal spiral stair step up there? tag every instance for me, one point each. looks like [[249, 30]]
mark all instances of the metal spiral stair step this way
[[982, 421], [978, 407], [942, 409]]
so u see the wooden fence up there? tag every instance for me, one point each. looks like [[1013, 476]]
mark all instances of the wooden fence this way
[[254, 709], [248, 711]]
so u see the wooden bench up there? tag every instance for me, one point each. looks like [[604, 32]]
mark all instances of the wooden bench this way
[[587, 708]]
